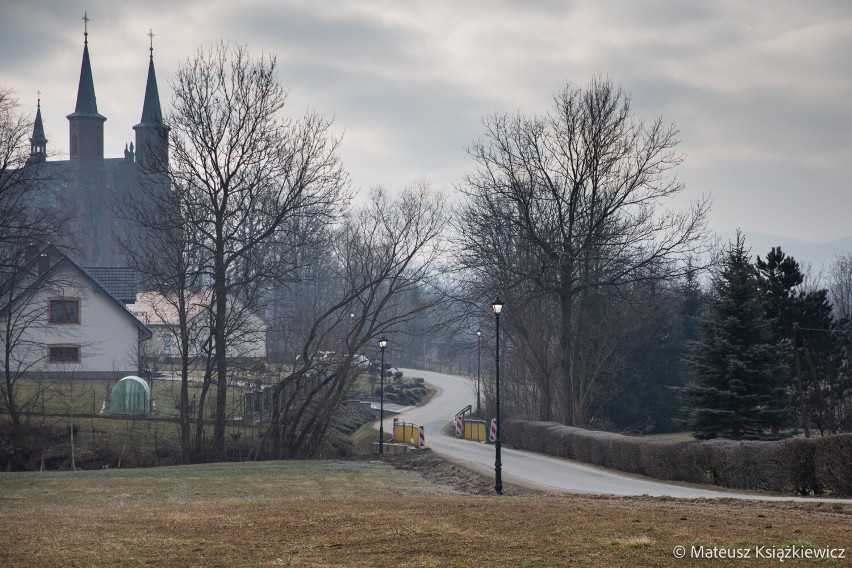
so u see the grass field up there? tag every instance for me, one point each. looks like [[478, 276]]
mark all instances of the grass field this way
[[424, 512]]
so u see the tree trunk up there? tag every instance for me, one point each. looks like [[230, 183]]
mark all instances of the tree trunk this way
[[566, 339], [220, 353]]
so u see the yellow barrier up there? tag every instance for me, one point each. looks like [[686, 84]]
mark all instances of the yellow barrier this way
[[406, 433], [475, 430]]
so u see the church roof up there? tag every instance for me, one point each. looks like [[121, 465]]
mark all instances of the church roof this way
[[38, 128], [152, 114], [87, 104]]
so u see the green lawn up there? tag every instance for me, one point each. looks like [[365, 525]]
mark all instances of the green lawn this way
[[86, 396]]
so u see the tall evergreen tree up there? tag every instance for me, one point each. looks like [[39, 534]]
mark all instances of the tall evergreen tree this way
[[779, 277], [739, 386], [802, 326]]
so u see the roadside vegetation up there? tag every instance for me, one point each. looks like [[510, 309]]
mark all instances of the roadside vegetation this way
[[103, 440]]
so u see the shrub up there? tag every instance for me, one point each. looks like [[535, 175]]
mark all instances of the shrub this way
[[818, 466]]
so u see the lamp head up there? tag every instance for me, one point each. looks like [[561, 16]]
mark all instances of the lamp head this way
[[478, 332], [383, 342], [497, 306]]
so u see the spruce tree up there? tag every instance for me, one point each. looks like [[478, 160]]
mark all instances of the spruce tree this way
[[801, 320], [739, 383]]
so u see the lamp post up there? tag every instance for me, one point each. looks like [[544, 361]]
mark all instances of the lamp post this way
[[478, 366], [382, 344], [497, 306]]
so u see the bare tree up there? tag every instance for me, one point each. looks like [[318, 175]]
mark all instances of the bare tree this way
[[244, 171], [571, 202], [840, 286], [28, 223], [387, 250]]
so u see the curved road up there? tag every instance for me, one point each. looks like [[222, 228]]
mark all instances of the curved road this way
[[537, 470]]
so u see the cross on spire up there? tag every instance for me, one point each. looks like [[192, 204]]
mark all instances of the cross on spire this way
[[86, 26], [151, 36]]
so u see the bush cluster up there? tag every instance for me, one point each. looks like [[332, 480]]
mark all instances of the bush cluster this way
[[802, 466], [403, 390]]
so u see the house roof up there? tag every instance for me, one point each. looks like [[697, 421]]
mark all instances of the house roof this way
[[57, 260], [121, 281], [154, 308]]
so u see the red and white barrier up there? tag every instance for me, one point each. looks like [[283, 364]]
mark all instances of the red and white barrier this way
[[492, 435], [459, 425], [422, 437]]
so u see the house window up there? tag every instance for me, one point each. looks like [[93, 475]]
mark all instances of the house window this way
[[64, 310], [63, 353]]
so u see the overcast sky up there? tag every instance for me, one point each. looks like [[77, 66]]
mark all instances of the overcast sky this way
[[760, 90]]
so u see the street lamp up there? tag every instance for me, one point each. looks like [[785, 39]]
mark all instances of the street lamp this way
[[498, 466], [478, 366], [382, 344]]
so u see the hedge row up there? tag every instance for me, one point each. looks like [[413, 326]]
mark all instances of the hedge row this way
[[802, 466]]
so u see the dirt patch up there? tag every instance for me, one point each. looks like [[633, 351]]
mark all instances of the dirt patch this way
[[440, 471]]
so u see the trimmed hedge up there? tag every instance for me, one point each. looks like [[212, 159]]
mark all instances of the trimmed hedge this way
[[802, 466]]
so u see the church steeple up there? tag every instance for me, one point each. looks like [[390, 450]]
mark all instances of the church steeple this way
[[87, 125], [38, 142], [151, 133], [151, 112]]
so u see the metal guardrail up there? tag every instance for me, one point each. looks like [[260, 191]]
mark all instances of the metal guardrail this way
[[408, 433]]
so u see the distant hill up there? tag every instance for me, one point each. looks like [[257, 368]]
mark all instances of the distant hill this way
[[818, 255]]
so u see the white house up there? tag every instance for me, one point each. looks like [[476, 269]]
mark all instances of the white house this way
[[64, 323], [247, 330]]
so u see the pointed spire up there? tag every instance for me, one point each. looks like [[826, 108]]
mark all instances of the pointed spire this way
[[87, 104], [38, 128], [152, 135], [152, 114], [38, 142]]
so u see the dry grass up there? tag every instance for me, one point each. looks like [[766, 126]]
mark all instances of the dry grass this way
[[369, 514]]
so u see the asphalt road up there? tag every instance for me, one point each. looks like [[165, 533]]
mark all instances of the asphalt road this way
[[537, 470]]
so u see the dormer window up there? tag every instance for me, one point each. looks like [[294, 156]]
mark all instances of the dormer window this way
[[64, 310]]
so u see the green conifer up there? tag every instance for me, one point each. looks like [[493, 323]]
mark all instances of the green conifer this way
[[739, 384]]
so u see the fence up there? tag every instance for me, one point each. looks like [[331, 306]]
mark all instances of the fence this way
[[469, 429]]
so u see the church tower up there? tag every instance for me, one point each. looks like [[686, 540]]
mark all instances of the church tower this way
[[89, 200], [86, 124], [152, 135]]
